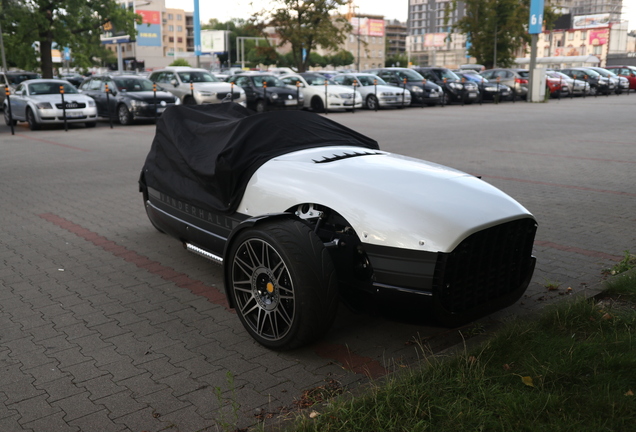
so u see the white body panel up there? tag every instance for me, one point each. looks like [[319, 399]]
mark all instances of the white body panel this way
[[335, 97], [389, 200]]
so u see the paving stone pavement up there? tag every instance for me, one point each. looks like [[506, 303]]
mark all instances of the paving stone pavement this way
[[107, 325]]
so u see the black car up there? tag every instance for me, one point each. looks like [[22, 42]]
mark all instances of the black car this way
[[597, 82], [455, 89], [130, 97], [75, 79], [266, 92], [422, 90], [11, 80], [488, 90]]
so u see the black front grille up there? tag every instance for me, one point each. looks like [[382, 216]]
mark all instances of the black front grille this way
[[486, 266], [71, 105], [223, 95]]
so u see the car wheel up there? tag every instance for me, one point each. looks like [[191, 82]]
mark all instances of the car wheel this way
[[446, 100], [189, 100], [317, 105], [90, 124], [282, 283], [124, 116], [6, 117], [372, 102], [31, 120], [260, 106], [592, 91]]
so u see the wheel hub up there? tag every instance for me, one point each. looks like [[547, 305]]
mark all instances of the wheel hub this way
[[264, 289]]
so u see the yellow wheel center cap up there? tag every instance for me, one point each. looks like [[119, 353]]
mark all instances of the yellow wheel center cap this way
[[270, 287]]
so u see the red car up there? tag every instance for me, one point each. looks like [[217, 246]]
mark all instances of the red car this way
[[628, 72], [557, 86]]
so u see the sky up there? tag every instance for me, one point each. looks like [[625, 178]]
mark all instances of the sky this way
[[224, 10]]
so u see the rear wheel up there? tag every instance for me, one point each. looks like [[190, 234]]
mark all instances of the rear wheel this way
[[260, 106], [31, 120], [283, 284]]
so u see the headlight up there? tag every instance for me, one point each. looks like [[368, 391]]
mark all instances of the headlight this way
[[205, 93], [137, 103], [177, 101], [44, 105], [274, 96], [456, 86], [417, 89], [334, 95], [490, 88], [91, 103]]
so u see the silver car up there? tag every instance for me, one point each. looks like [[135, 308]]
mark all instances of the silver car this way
[[39, 102], [375, 92], [576, 86], [196, 86]]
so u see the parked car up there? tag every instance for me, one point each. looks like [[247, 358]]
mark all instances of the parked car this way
[[556, 85], [516, 79], [130, 98], [422, 90], [265, 92], [597, 82], [575, 86], [454, 89], [75, 79], [375, 92], [39, 102], [12, 79], [301, 211], [323, 94], [196, 86], [487, 90], [628, 72], [621, 84]]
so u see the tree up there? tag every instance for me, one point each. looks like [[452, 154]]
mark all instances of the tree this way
[[180, 62], [497, 29], [306, 25], [74, 24], [400, 60], [341, 58]]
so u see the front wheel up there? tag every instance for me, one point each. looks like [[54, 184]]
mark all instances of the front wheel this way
[[260, 106], [31, 120], [317, 105], [372, 102], [282, 283], [124, 116]]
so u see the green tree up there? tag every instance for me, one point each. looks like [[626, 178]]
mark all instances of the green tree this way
[[306, 25], [341, 58], [399, 60], [74, 24], [180, 62], [497, 28]]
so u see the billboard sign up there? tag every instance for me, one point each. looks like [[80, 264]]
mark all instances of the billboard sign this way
[[590, 21], [149, 31], [213, 41], [367, 26], [599, 36], [434, 39], [536, 16]]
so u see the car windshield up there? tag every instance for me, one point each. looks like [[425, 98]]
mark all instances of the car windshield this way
[[410, 75], [16, 79], [50, 87], [588, 72], [448, 74], [133, 84], [369, 80], [270, 80], [524, 73], [474, 78], [196, 76], [317, 80]]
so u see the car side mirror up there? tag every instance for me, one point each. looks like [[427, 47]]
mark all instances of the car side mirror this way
[[18, 92], [174, 82]]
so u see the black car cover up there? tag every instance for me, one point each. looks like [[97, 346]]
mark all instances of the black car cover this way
[[206, 154]]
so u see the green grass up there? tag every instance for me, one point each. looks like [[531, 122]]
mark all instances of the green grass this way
[[572, 369]]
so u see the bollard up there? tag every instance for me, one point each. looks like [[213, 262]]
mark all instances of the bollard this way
[[110, 116], [154, 96], [192, 90], [497, 94], [298, 95], [63, 107], [404, 91], [444, 94], [423, 86], [463, 91], [264, 96], [7, 94], [353, 108], [375, 94], [326, 97]]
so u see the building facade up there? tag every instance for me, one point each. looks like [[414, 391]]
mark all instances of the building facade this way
[[367, 41], [396, 33]]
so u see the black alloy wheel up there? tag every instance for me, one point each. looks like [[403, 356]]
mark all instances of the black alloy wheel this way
[[123, 115], [31, 120]]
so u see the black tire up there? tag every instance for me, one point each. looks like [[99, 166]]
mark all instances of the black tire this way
[[593, 91], [317, 104], [283, 284], [31, 120], [189, 100], [6, 118], [123, 115], [90, 124], [261, 107], [372, 102]]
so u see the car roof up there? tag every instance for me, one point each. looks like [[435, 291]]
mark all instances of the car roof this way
[[181, 69]]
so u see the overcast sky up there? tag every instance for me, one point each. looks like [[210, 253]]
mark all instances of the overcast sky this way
[[224, 10]]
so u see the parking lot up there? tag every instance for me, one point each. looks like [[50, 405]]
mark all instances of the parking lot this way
[[108, 325]]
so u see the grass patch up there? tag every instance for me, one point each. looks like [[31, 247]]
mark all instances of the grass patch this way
[[572, 369]]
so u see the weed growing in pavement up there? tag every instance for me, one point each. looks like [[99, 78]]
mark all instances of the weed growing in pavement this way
[[627, 263], [552, 285], [226, 425]]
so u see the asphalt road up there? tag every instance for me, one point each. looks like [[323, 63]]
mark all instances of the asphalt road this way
[[106, 324]]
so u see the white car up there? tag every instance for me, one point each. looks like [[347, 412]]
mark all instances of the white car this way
[[196, 86], [322, 94], [39, 102], [375, 92], [302, 211]]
